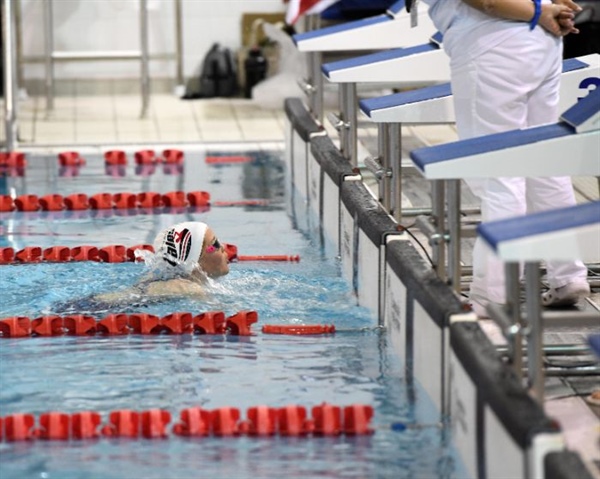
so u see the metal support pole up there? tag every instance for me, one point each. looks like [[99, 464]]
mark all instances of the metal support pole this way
[[145, 71], [179, 47], [383, 144], [19, 45], [513, 292], [396, 167], [10, 87], [348, 115], [535, 366], [438, 243], [316, 85], [48, 52], [453, 199]]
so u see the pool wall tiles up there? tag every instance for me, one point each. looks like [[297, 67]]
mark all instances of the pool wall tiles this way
[[491, 413], [366, 229], [505, 429], [328, 170], [301, 126]]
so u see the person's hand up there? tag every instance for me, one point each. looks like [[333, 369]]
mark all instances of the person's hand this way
[[557, 19], [567, 25], [569, 4]]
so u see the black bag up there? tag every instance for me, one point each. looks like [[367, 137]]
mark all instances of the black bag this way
[[218, 77]]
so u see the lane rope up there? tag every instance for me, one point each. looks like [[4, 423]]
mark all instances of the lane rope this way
[[111, 254], [291, 420]]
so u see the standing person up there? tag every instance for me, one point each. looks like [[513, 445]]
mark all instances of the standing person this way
[[506, 62]]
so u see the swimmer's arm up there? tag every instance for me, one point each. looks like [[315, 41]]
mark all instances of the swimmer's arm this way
[[174, 287], [157, 289], [117, 296]]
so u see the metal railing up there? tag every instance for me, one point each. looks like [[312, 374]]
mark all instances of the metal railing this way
[[13, 59]]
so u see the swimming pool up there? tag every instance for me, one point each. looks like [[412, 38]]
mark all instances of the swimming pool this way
[[356, 365]]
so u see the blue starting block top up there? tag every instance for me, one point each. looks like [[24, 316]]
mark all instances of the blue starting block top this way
[[564, 234], [539, 151], [379, 57], [323, 32], [396, 8], [423, 157], [369, 105], [585, 115], [390, 30]]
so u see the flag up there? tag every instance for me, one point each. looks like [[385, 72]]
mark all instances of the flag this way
[[297, 8]]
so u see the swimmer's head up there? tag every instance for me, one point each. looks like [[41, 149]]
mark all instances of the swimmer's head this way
[[189, 245]]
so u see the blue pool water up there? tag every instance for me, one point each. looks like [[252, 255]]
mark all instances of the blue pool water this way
[[69, 374]]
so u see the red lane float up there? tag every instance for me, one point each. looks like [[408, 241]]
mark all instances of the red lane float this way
[[198, 198], [194, 422], [122, 201], [224, 421], [15, 327], [292, 421], [174, 199], [12, 159], [76, 202], [54, 426], [7, 255], [30, 254], [115, 157], [52, 202], [149, 199], [84, 425], [13, 164], [145, 157], [6, 203], [357, 419], [172, 157], [19, 427], [70, 158], [119, 324], [27, 203], [298, 329], [327, 420], [123, 423], [84, 253], [57, 254], [109, 254], [263, 421]]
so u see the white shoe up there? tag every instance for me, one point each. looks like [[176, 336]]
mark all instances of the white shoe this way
[[566, 295]]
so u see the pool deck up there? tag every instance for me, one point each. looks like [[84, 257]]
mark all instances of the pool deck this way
[[84, 122]]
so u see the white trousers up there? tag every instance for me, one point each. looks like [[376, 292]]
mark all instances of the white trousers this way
[[512, 86]]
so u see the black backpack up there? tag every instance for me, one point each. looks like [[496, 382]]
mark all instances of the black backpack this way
[[218, 77]]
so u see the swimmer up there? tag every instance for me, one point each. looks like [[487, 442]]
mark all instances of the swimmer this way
[[186, 256]]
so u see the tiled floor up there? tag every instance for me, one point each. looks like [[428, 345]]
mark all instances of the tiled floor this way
[[116, 119]]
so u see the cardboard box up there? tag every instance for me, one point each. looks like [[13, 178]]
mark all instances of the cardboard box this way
[[252, 32]]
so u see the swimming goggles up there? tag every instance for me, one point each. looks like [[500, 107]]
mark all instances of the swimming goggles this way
[[215, 246]]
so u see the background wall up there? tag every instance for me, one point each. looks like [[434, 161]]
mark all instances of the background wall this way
[[92, 25]]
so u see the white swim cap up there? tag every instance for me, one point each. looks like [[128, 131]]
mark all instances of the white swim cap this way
[[181, 245]]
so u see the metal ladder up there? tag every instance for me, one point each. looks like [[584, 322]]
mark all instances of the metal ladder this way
[[52, 56]]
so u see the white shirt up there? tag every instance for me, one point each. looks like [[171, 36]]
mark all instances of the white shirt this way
[[468, 32]]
